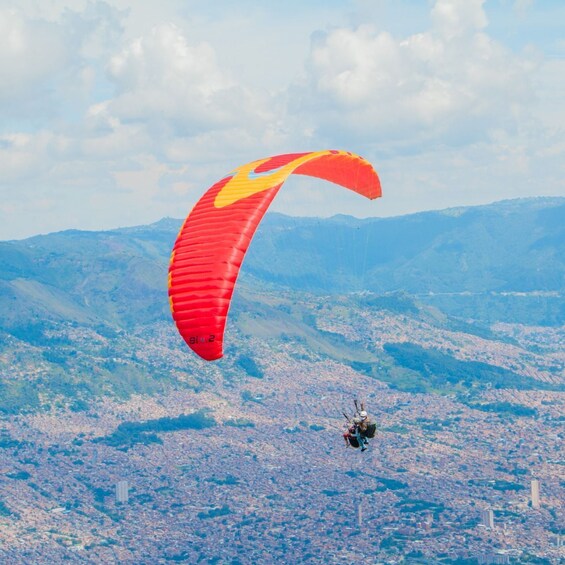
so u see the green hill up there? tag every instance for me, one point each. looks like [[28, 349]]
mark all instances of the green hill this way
[[85, 314], [503, 262]]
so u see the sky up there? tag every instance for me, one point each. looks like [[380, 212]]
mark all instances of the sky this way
[[118, 113]]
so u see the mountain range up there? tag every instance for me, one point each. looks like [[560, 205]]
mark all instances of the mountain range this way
[[79, 303], [503, 262]]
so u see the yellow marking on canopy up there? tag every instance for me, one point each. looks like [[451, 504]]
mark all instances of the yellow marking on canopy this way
[[243, 183]]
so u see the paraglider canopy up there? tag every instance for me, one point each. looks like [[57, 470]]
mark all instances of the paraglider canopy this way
[[215, 236]]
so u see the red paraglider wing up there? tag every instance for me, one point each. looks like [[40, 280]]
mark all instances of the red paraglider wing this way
[[214, 238]]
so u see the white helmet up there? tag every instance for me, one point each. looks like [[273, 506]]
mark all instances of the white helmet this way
[[363, 414]]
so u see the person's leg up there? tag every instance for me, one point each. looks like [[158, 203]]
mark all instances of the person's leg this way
[[360, 439]]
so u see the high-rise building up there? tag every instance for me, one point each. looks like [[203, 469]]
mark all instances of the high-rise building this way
[[122, 491], [487, 518], [535, 493], [491, 558], [360, 515]]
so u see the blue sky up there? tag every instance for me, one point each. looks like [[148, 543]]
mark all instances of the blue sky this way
[[116, 113]]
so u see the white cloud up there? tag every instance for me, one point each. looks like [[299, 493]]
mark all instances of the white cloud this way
[[454, 19], [116, 112], [25, 156], [452, 84], [31, 53], [163, 80], [47, 65]]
